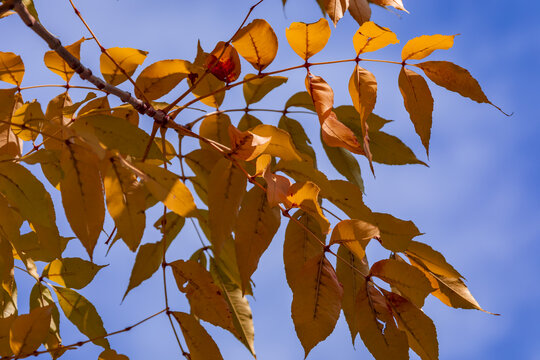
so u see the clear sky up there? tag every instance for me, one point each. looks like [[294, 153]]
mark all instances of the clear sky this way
[[478, 202]]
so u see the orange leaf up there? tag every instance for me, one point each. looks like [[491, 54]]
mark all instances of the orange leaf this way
[[308, 39], [422, 46], [224, 62], [246, 145]]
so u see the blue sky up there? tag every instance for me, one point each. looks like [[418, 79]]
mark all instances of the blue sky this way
[[477, 202]]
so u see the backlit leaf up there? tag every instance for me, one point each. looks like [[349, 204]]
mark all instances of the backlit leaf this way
[[27, 121], [277, 188], [418, 326], [383, 342], [454, 78], [418, 103], [308, 39], [257, 43], [432, 259], [41, 296], [224, 62], [256, 88], [11, 68], [28, 331], [10, 144], [408, 280], [58, 65], [390, 150], [166, 187], [82, 314], [253, 234], [82, 194], [245, 145], [205, 297], [360, 10], [227, 186], [147, 262], [111, 355], [422, 46], [300, 99], [316, 303], [345, 163], [200, 344], [398, 4], [371, 37], [336, 9], [5, 326], [298, 136], [74, 273], [161, 77], [280, 145], [350, 271], [304, 195], [127, 58], [216, 128], [248, 122], [396, 234], [125, 202], [354, 235]]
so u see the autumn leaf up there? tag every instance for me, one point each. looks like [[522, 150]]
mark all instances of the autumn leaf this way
[[308, 39], [245, 145], [200, 344], [360, 10], [354, 235], [28, 331], [161, 77], [27, 121], [257, 43], [127, 59], [40, 297], [11, 68], [316, 303], [224, 63], [298, 136], [304, 195], [256, 88], [280, 144], [110, 354], [396, 234], [398, 4], [336, 9], [417, 325], [418, 103], [74, 273], [372, 37], [253, 234], [216, 128], [422, 46], [58, 65]]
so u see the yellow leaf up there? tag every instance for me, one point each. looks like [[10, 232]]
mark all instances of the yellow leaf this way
[[262, 164], [300, 244], [161, 77], [336, 9], [408, 280], [56, 121], [316, 303], [41, 296], [255, 88], [454, 78], [349, 198], [28, 331], [242, 316], [418, 103], [226, 188], [223, 62], [200, 344], [10, 144], [11, 68], [418, 326], [58, 66], [111, 355], [125, 202], [27, 194], [246, 145], [371, 37], [73, 273], [363, 91], [396, 234], [354, 235], [216, 128], [127, 58], [27, 121], [360, 10], [383, 342], [254, 233], [97, 106], [5, 326], [205, 297], [308, 39], [82, 194], [126, 112], [422, 46], [205, 86], [432, 259], [305, 195], [350, 273], [277, 188], [257, 43], [83, 315], [166, 187], [201, 163], [280, 145], [147, 262], [398, 4]]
